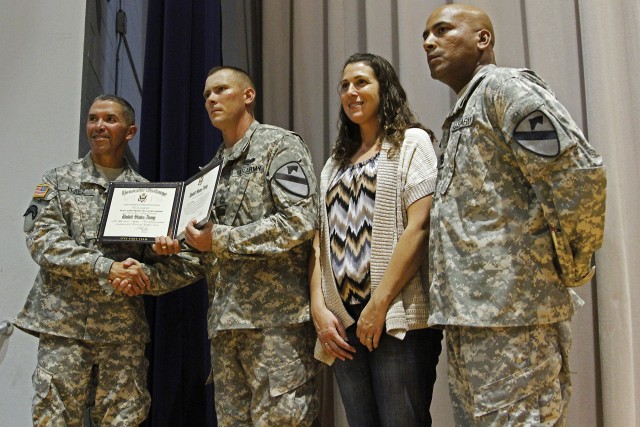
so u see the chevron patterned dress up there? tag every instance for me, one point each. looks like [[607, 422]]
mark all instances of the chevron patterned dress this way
[[349, 203]]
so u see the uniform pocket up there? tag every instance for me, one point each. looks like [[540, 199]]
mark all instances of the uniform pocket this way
[[287, 377], [130, 401], [506, 391], [41, 382], [90, 206], [448, 165], [47, 407]]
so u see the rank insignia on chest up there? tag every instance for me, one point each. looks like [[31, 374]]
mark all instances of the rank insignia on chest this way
[[41, 191]]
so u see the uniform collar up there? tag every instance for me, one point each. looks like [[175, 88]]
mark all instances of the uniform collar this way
[[241, 146], [466, 92], [96, 177]]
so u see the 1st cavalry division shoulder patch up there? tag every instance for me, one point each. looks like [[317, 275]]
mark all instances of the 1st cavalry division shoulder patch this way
[[34, 209], [537, 134], [291, 177]]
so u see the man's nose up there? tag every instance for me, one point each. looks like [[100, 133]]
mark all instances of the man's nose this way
[[428, 43]]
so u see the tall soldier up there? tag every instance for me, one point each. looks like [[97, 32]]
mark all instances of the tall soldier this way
[[517, 214]]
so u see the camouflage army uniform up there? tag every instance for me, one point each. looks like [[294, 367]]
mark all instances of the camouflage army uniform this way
[[506, 198], [259, 322], [79, 318]]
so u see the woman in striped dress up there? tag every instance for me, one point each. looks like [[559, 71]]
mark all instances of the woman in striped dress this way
[[368, 270]]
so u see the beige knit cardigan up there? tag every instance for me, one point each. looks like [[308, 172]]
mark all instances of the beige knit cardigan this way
[[400, 181]]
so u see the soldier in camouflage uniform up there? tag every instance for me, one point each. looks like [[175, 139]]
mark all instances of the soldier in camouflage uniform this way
[[256, 256], [88, 330], [517, 213]]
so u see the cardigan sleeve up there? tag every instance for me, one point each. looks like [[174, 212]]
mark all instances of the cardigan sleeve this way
[[418, 166]]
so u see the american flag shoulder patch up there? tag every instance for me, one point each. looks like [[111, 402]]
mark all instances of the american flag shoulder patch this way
[[41, 191], [537, 134]]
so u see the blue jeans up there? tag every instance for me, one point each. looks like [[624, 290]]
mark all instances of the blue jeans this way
[[393, 384]]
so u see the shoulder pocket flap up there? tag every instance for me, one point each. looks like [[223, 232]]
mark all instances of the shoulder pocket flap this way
[[50, 195], [509, 390]]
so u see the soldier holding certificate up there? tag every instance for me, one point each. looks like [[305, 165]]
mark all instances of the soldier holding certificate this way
[[255, 254], [90, 332]]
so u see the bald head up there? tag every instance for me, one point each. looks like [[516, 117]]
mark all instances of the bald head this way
[[473, 16], [458, 40]]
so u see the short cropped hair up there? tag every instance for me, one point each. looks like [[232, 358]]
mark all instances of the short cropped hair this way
[[243, 74], [127, 110]]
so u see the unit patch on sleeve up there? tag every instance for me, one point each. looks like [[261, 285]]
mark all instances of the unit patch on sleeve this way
[[38, 202], [537, 134], [291, 177], [32, 212]]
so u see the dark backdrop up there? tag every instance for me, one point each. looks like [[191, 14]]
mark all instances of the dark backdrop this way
[[183, 42]]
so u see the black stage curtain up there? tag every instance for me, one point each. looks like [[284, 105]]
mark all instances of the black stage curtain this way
[[183, 42]]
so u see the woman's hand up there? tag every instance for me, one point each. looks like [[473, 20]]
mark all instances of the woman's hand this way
[[405, 261], [332, 334], [371, 324]]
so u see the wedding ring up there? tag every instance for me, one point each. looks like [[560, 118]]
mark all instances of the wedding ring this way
[[369, 339], [164, 247]]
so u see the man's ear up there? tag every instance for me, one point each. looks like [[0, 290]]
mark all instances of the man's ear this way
[[249, 95], [131, 132], [484, 39]]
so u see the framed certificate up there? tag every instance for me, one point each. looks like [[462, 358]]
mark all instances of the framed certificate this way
[[140, 211]]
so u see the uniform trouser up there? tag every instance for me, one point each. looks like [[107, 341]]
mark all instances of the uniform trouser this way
[[64, 378], [515, 376], [265, 377]]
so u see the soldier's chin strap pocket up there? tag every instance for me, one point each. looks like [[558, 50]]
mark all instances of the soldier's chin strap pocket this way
[[577, 221]]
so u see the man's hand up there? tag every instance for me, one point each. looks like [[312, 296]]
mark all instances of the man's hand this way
[[165, 245], [123, 286], [128, 277], [199, 239]]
